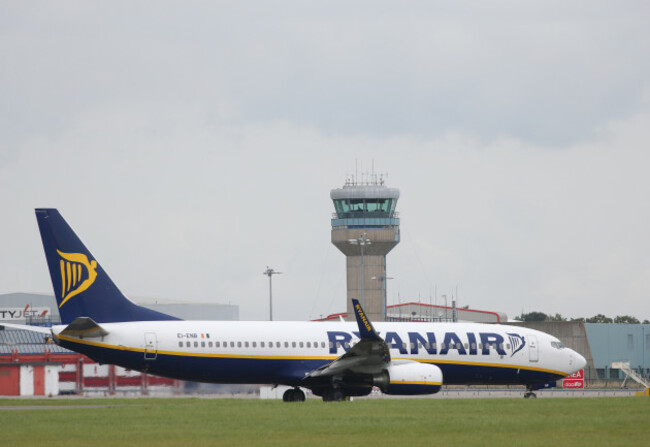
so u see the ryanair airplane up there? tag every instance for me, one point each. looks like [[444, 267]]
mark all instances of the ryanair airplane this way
[[332, 359]]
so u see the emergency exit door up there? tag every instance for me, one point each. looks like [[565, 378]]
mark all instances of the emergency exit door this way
[[533, 348]]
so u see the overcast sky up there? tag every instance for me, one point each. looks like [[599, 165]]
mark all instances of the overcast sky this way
[[191, 144]]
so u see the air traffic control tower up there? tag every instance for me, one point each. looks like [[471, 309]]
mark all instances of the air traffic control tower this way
[[365, 227]]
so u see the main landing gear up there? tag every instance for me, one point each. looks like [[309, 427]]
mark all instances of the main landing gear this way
[[333, 395], [529, 393], [293, 395]]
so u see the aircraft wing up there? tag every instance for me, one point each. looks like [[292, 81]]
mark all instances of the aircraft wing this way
[[370, 355]]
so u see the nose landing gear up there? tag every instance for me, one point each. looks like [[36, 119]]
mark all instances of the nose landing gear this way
[[529, 393]]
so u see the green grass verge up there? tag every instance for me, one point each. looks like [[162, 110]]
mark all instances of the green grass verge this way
[[368, 422]]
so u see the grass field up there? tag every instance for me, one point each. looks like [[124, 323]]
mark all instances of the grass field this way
[[370, 422]]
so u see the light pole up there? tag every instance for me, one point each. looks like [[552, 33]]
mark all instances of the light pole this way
[[270, 272], [362, 241]]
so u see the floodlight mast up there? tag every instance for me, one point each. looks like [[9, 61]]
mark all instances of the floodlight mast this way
[[270, 272]]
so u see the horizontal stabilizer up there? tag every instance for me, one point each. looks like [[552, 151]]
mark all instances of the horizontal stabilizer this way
[[84, 327]]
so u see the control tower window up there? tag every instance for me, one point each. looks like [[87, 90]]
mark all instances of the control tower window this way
[[357, 207], [378, 205]]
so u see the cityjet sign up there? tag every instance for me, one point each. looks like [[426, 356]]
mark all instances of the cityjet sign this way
[[23, 313]]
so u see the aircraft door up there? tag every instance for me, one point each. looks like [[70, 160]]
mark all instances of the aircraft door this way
[[150, 346], [533, 348]]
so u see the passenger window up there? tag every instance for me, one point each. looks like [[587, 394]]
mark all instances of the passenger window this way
[[286, 344], [239, 344], [203, 344], [246, 344], [331, 345], [187, 344], [255, 344], [301, 344], [426, 345], [277, 344], [196, 344], [216, 344], [404, 345], [209, 344], [412, 346], [442, 345], [322, 344], [309, 344], [473, 345], [232, 344], [180, 344], [293, 344], [466, 346], [347, 345]]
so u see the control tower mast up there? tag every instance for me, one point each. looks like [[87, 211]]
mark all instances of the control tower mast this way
[[365, 227]]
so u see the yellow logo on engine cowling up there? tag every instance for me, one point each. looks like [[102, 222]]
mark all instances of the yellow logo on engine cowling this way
[[73, 279]]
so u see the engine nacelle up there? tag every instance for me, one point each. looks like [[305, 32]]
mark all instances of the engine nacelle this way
[[410, 378]]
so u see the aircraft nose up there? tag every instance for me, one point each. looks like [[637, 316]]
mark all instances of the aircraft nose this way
[[580, 362]]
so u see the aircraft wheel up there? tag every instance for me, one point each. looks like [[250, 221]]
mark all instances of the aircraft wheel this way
[[287, 396], [293, 395], [299, 395]]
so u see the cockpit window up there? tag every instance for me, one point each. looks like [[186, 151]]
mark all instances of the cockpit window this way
[[557, 345]]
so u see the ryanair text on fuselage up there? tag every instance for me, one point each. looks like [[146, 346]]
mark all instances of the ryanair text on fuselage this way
[[473, 343]]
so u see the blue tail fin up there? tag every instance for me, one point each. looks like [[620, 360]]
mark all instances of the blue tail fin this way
[[81, 286]]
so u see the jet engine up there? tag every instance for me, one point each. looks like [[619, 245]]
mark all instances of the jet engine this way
[[410, 378]]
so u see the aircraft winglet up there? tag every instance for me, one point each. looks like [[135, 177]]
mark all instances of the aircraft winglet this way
[[366, 330]]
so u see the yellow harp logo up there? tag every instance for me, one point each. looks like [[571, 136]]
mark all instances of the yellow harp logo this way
[[73, 280]]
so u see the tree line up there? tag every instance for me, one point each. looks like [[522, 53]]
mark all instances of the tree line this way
[[600, 318]]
